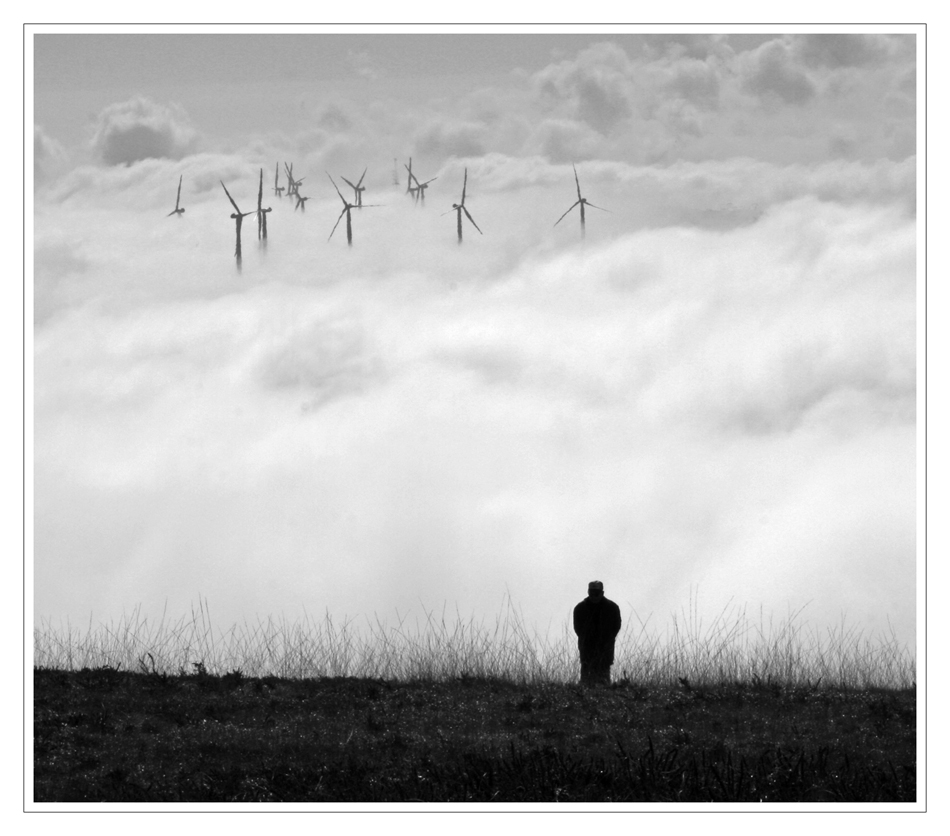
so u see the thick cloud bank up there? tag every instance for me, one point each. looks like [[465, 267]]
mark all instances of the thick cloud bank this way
[[725, 406]]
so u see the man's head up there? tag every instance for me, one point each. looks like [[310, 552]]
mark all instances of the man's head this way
[[595, 591]]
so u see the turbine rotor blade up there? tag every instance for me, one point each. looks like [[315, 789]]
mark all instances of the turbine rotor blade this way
[[577, 181], [464, 184], [565, 214], [338, 192], [596, 207], [229, 197], [467, 215], [348, 183], [360, 181]]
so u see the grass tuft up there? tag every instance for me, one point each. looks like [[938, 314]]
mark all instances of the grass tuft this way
[[689, 655]]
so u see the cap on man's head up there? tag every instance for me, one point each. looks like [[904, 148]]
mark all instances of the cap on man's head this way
[[595, 586]]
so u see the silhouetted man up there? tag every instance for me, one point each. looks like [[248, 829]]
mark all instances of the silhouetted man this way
[[596, 622]]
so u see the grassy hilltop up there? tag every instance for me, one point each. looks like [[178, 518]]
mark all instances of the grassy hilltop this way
[[457, 712], [104, 735]]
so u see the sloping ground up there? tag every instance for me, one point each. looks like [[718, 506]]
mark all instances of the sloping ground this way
[[105, 735]]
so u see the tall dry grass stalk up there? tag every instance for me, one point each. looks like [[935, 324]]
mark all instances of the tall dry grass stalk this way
[[732, 648]]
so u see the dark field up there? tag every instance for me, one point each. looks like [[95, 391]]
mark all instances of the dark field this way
[[107, 735]]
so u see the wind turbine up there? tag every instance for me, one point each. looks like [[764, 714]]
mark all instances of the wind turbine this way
[[278, 190], [292, 185], [421, 189], [261, 213], [358, 189], [301, 203], [581, 201], [238, 220], [419, 192], [176, 210], [347, 206], [460, 207], [290, 179]]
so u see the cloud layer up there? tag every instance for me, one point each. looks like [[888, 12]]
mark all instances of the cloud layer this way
[[413, 421], [715, 389]]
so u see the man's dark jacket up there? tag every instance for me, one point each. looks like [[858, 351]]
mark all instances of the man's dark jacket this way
[[597, 625]]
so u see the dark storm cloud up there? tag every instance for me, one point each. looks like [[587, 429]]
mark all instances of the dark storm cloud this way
[[696, 81], [564, 140], [836, 50], [139, 129], [772, 73], [698, 46], [447, 139], [595, 88], [334, 118]]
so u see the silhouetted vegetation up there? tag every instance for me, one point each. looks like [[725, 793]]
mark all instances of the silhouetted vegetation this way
[[729, 648]]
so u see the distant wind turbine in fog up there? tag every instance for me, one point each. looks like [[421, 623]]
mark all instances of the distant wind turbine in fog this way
[[278, 190], [301, 203], [358, 189], [419, 192], [347, 206], [292, 185], [290, 178], [581, 201], [176, 210], [460, 207], [261, 213], [409, 190], [238, 220]]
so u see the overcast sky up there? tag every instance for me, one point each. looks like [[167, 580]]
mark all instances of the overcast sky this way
[[716, 388]]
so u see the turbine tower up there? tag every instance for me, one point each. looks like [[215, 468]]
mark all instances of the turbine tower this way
[[176, 210], [238, 220], [261, 213], [278, 190], [581, 201], [460, 207]]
